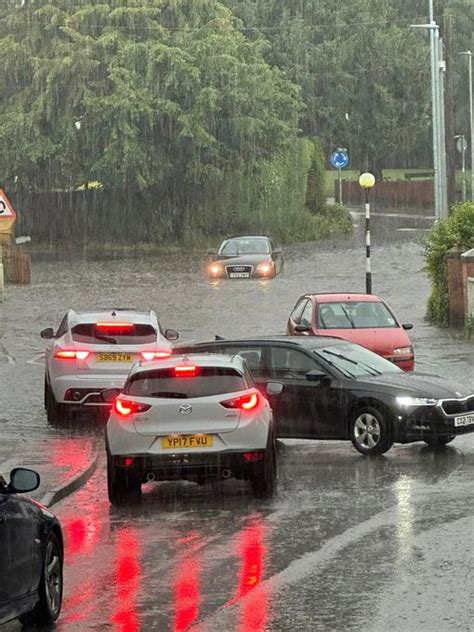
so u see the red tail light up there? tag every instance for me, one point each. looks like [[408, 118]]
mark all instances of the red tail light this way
[[186, 370], [114, 325], [71, 355], [155, 355], [246, 402], [125, 408]]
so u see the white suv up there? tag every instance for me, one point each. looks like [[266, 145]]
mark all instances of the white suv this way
[[197, 418], [92, 351]]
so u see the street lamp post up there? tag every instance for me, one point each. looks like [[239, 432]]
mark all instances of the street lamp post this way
[[468, 54], [367, 181], [437, 99]]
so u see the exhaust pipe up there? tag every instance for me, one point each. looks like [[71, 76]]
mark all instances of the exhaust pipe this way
[[150, 477], [226, 473]]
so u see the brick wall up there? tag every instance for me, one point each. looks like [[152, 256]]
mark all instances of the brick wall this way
[[455, 287], [467, 262], [460, 269]]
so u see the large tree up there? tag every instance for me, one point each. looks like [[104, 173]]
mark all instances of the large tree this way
[[136, 93]]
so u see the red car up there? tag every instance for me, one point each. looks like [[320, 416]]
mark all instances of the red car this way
[[361, 318]]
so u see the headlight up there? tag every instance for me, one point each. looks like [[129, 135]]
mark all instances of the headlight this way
[[403, 351], [215, 268], [264, 268], [416, 401]]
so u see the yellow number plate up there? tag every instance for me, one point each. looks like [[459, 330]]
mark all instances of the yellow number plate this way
[[174, 442], [114, 357]]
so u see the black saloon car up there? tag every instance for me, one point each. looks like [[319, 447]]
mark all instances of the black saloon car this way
[[334, 389], [31, 554], [244, 258]]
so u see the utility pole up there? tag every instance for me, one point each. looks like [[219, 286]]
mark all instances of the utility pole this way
[[442, 132], [438, 69], [449, 107], [435, 114], [468, 54]]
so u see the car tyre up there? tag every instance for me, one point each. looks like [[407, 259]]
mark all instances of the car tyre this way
[[439, 442], [50, 590], [263, 477], [370, 431], [123, 486]]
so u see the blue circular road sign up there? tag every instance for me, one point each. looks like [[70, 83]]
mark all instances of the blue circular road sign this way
[[340, 159]]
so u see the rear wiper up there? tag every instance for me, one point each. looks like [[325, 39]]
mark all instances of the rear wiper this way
[[368, 368], [169, 394], [105, 339]]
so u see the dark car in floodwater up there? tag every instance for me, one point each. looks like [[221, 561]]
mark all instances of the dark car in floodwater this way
[[245, 258], [31, 554], [335, 389]]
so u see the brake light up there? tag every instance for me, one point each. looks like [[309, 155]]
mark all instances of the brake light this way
[[155, 355], [71, 355], [186, 370], [114, 325], [125, 408], [246, 402]]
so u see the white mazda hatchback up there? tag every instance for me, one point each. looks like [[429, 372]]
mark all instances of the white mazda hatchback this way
[[196, 418], [92, 351]]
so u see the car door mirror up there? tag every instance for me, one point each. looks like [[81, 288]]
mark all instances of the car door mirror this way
[[407, 326], [277, 251], [171, 334], [47, 333], [302, 328], [109, 395], [274, 388], [23, 480], [315, 375]]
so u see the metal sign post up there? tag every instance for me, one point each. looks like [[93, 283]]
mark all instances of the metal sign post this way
[[339, 160]]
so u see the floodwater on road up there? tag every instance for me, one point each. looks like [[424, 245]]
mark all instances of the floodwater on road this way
[[347, 543]]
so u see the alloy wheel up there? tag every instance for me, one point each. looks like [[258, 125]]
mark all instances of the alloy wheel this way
[[53, 577], [367, 431]]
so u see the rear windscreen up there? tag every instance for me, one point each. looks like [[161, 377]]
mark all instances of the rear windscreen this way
[[164, 383], [131, 334]]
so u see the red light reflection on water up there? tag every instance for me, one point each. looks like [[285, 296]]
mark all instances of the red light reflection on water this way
[[126, 578], [186, 592], [69, 455], [252, 551], [186, 589]]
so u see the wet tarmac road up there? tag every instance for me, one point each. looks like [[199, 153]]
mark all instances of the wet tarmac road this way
[[347, 543]]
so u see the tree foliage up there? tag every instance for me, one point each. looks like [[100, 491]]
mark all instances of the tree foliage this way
[[365, 75], [135, 93]]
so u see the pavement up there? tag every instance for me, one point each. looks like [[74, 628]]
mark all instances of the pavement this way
[[64, 464], [64, 461]]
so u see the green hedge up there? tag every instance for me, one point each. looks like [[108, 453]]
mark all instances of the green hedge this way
[[455, 230], [274, 201]]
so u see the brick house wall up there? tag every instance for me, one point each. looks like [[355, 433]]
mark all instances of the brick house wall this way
[[460, 270]]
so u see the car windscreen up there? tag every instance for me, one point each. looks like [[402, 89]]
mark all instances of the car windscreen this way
[[354, 315], [355, 361], [164, 383], [113, 334], [245, 247]]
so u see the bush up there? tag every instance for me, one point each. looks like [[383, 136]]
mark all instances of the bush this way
[[455, 230]]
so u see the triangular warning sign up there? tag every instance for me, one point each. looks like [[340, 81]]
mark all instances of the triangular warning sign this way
[[6, 209]]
